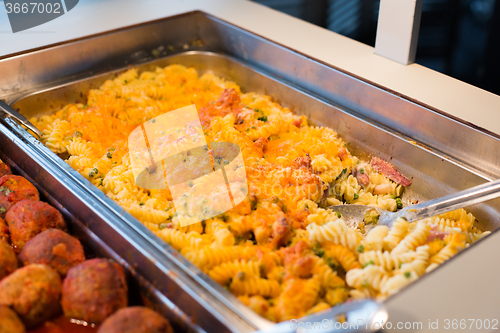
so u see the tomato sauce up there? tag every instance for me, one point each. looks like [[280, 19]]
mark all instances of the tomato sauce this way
[[65, 325]]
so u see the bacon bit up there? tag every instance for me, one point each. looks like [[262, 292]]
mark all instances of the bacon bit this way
[[325, 193], [301, 217], [389, 171], [294, 252], [240, 119], [298, 260], [229, 102], [302, 162], [342, 154], [363, 178], [260, 144], [281, 231], [297, 122], [436, 234], [303, 266]]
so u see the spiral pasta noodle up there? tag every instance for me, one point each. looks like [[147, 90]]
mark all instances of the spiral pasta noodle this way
[[388, 260], [336, 232]]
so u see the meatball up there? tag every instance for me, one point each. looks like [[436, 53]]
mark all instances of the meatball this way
[[14, 189], [4, 169], [9, 321], [33, 292], [55, 248], [135, 319], [93, 290], [4, 230], [8, 260], [28, 218]]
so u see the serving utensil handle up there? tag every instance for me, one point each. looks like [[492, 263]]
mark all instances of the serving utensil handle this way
[[10, 112], [471, 196]]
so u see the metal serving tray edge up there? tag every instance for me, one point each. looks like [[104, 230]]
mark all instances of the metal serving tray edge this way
[[354, 125]]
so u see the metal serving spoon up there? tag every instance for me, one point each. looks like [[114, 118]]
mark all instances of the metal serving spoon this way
[[19, 118], [471, 196]]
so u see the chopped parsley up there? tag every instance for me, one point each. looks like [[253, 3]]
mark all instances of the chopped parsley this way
[[109, 155], [338, 214], [356, 196], [407, 275], [77, 134], [263, 118], [361, 248], [141, 203]]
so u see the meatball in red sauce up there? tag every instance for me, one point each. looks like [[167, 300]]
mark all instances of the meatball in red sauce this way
[[28, 218], [33, 292], [136, 319], [14, 189], [55, 248], [9, 321], [93, 290], [8, 259]]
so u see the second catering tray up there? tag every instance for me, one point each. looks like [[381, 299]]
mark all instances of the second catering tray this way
[[440, 153]]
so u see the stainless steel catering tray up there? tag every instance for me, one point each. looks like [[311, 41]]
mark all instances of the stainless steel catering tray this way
[[441, 154], [88, 225]]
